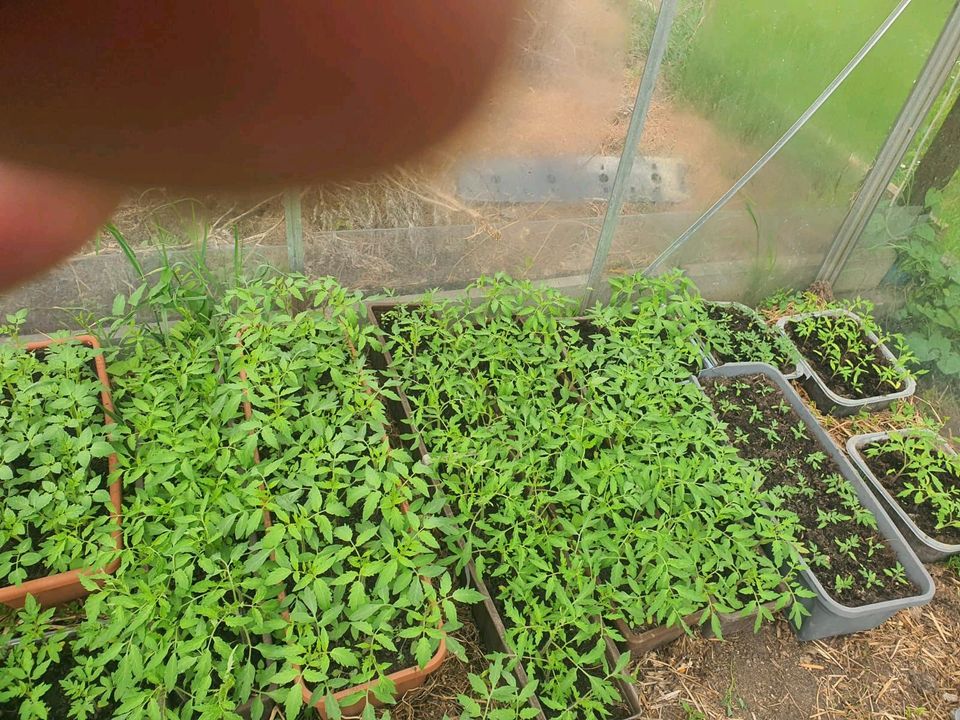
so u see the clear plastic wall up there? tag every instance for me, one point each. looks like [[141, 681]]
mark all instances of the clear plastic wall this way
[[522, 188], [741, 74]]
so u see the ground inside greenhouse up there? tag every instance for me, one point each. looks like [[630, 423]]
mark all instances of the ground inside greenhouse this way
[[907, 668]]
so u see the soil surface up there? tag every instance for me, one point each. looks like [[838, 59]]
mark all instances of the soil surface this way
[[886, 467], [871, 383], [785, 452], [738, 323], [906, 668]]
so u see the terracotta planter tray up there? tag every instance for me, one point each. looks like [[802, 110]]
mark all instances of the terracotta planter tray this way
[[646, 641], [61, 588]]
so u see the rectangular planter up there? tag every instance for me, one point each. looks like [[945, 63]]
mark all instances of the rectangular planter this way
[[927, 548], [795, 373], [404, 680], [828, 617], [826, 399], [642, 642], [66, 587], [489, 621], [639, 643]]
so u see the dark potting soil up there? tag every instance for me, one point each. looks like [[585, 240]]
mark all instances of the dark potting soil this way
[[588, 332], [738, 323], [400, 660], [55, 698], [886, 467], [871, 384], [790, 448]]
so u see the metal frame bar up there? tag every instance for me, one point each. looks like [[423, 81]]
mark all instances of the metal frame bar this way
[[293, 224], [941, 61], [785, 138], [638, 119]]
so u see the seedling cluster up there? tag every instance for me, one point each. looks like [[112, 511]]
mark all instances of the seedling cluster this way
[[736, 334], [924, 478], [589, 477], [293, 525], [289, 543], [350, 535], [31, 646], [54, 476], [846, 552], [850, 363]]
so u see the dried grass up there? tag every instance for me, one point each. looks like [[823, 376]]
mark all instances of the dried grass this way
[[909, 662], [908, 413], [909, 667]]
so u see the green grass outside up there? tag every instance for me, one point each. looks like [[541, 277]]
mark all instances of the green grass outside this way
[[752, 66]]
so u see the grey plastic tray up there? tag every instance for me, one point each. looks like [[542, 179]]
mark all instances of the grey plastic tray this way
[[825, 398], [794, 374], [828, 617], [928, 549]]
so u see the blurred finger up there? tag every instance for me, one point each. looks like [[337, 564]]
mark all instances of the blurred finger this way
[[238, 94], [44, 217]]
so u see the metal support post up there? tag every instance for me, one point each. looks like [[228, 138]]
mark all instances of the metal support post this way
[[294, 227], [658, 47], [925, 91]]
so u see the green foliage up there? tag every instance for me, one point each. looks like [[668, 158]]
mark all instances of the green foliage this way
[[277, 528], [929, 476], [178, 631], [30, 644], [350, 540], [495, 694], [932, 308], [211, 610], [574, 454], [55, 510]]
